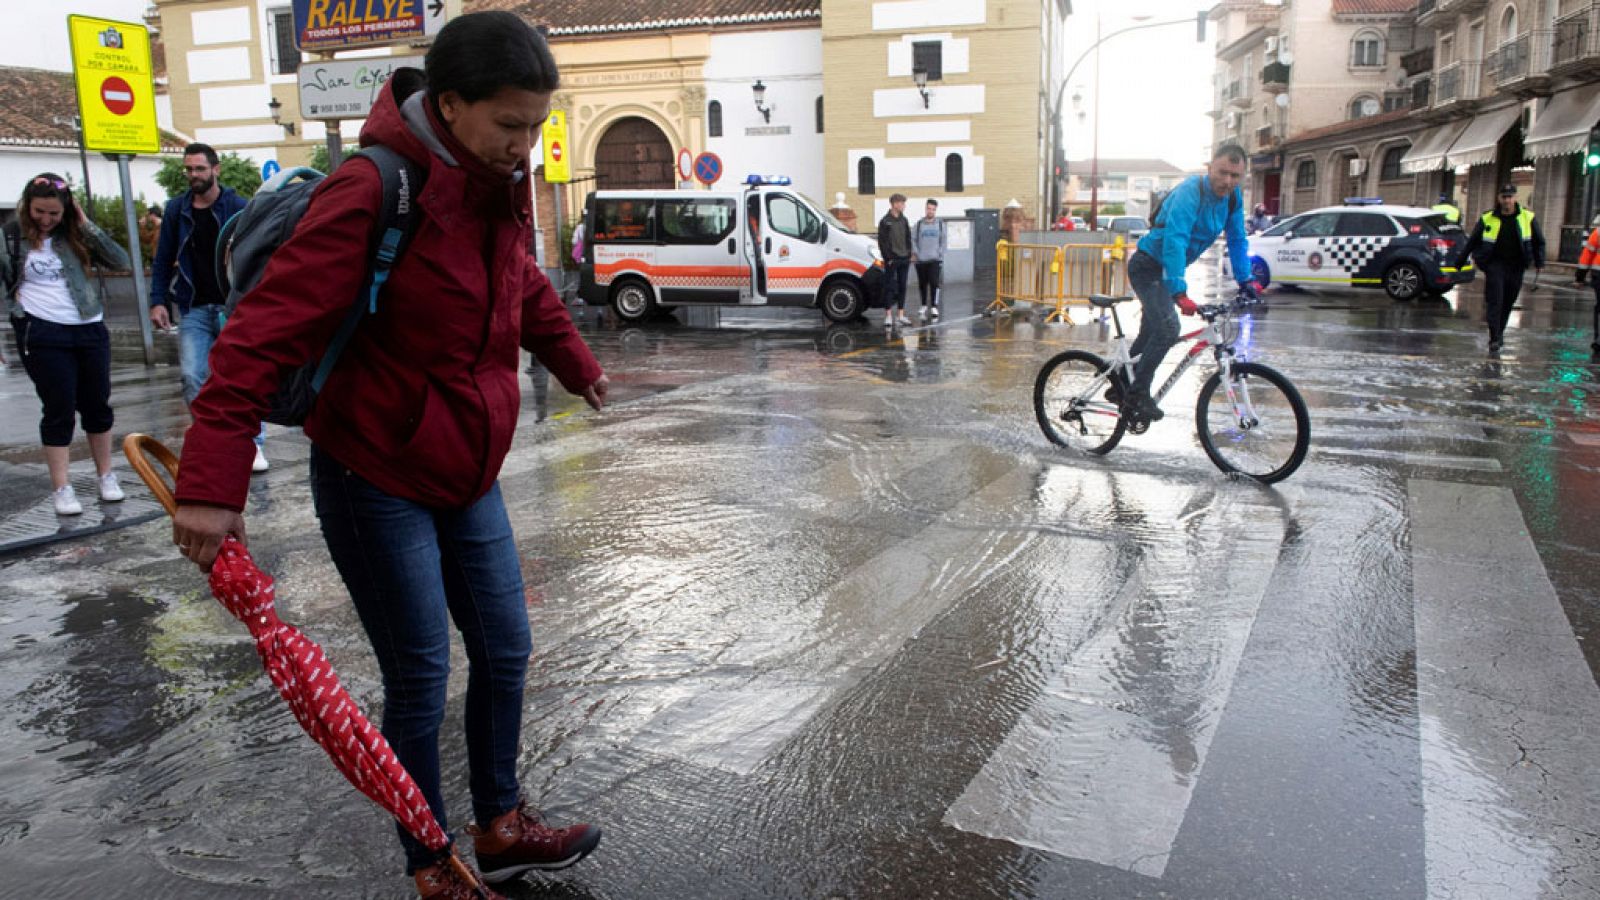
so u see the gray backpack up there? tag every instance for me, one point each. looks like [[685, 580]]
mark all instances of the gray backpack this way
[[248, 240]]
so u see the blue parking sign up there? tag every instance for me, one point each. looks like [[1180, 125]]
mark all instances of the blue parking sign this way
[[269, 169]]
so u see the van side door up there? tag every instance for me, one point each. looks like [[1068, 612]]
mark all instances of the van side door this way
[[794, 249], [699, 259]]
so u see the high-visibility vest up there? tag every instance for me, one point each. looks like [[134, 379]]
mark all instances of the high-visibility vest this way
[[1589, 256], [1491, 225], [1451, 214]]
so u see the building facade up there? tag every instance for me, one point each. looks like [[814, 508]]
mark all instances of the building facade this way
[[976, 133], [1318, 93], [1128, 183]]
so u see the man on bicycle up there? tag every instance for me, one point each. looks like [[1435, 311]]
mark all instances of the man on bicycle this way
[[1186, 224]]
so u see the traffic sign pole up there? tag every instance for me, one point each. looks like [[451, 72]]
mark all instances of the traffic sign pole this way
[[140, 292]]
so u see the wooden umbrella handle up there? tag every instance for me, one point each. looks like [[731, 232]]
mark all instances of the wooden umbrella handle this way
[[138, 448]]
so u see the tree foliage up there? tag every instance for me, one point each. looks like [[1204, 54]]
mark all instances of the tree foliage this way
[[319, 157], [236, 172]]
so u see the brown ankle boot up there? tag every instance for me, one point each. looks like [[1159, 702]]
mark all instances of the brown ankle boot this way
[[518, 841], [446, 882]]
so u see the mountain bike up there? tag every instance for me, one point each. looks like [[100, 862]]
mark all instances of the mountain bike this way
[[1250, 418]]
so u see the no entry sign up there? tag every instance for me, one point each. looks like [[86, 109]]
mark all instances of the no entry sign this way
[[557, 164], [117, 95]]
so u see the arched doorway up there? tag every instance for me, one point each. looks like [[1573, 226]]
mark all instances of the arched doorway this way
[[633, 154]]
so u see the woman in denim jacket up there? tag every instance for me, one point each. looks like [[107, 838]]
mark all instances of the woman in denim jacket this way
[[58, 319]]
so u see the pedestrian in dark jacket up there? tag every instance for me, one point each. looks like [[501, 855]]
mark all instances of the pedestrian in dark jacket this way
[[410, 431], [894, 242], [185, 271], [1505, 242], [60, 327]]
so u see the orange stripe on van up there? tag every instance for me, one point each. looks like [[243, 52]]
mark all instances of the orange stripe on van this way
[[818, 272], [639, 265]]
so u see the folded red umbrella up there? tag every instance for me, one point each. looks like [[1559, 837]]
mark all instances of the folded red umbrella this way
[[302, 675]]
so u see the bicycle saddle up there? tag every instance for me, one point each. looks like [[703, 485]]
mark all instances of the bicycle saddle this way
[[1106, 301]]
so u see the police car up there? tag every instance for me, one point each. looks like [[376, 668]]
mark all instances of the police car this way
[[1406, 250]]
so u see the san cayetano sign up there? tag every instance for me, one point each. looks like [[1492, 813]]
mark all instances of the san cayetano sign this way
[[347, 88]]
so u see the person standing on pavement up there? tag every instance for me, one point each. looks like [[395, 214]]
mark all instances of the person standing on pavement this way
[[1588, 261], [1187, 224], [929, 241], [59, 323], [1448, 208], [1259, 221], [185, 272], [1504, 243], [894, 242], [409, 433]]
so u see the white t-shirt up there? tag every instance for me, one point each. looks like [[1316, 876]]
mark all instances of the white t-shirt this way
[[43, 289]]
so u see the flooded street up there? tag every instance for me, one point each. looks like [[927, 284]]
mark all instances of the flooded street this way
[[819, 613]]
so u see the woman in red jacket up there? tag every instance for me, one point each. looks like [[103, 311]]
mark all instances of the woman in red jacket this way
[[410, 431]]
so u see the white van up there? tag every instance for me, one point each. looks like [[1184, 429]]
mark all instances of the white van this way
[[763, 245]]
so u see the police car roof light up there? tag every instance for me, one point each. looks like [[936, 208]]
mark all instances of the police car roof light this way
[[1363, 201], [760, 180]]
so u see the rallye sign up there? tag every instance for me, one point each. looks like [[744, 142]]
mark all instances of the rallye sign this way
[[326, 25]]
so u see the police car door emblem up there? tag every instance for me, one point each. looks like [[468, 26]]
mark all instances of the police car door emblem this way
[[1314, 261]]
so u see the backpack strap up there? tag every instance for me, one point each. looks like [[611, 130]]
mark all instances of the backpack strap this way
[[13, 233], [396, 224]]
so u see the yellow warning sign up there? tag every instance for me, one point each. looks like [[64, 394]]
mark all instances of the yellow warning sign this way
[[116, 94], [557, 165]]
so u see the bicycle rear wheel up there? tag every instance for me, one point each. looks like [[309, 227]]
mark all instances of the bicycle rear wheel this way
[[1069, 402], [1263, 432]]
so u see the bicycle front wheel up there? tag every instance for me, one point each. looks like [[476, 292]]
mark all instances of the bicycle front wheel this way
[[1070, 404], [1261, 431]]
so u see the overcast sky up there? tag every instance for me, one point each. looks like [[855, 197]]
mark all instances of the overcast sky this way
[[35, 35], [1155, 84]]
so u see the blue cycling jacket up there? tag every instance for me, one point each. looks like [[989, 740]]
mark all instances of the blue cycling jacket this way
[[1190, 219]]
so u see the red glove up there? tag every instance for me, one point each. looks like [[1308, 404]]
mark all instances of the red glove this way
[[1185, 305]]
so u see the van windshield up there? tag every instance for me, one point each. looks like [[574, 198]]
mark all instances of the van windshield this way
[[826, 216]]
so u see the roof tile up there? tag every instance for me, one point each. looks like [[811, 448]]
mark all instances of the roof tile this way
[[1372, 7], [39, 109], [578, 17]]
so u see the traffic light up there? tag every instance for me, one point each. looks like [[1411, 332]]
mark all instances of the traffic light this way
[[1591, 153]]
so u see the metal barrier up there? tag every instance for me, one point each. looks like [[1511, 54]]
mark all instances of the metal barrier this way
[[1062, 276]]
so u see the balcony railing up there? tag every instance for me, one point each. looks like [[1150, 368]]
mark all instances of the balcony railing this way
[[1238, 92], [1417, 61], [1523, 58], [1268, 137], [1461, 6], [1275, 78], [1458, 81], [1575, 43]]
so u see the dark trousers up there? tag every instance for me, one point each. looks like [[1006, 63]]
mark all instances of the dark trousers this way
[[929, 275], [895, 274], [1501, 284], [1158, 330], [71, 370], [411, 571]]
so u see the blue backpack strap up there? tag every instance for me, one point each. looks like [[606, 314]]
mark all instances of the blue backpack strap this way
[[402, 180]]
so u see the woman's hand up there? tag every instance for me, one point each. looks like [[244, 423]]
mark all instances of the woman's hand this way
[[199, 531], [595, 394]]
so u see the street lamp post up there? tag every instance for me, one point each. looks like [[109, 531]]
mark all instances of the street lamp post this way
[[1055, 108]]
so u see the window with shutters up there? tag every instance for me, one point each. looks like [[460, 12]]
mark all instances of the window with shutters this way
[[285, 57], [714, 118], [867, 176], [954, 174], [929, 57]]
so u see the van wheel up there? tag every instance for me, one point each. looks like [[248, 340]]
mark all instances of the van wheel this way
[[633, 300], [841, 301], [1403, 281]]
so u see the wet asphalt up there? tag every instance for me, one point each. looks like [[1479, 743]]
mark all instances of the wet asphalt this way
[[819, 613]]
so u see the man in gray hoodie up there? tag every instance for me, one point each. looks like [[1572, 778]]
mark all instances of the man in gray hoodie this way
[[928, 242]]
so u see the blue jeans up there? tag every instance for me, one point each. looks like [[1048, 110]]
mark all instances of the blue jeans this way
[[411, 571], [1158, 330], [197, 331]]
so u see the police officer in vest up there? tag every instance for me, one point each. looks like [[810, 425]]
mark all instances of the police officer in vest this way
[[1505, 242], [1452, 213]]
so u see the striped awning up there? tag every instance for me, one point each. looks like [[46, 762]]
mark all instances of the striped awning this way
[[1481, 141], [1427, 153], [1563, 126]]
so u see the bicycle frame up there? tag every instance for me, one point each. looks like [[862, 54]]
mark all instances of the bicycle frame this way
[[1209, 336]]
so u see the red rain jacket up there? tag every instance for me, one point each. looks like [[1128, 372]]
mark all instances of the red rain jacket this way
[[424, 399]]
